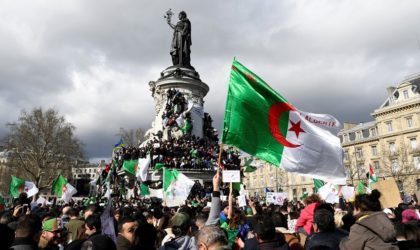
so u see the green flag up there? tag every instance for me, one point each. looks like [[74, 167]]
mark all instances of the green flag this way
[[304, 196], [187, 127], [360, 188], [159, 166], [2, 202], [318, 184], [168, 177], [16, 186], [144, 190], [247, 109], [248, 167], [130, 166], [58, 184]]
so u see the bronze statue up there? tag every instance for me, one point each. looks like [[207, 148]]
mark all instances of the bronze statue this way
[[181, 41]]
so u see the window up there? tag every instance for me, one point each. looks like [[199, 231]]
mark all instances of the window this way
[[416, 160], [395, 166], [294, 193], [360, 170], [359, 153], [303, 190], [374, 150], [346, 155], [376, 167], [358, 135], [389, 126], [413, 143], [373, 132], [418, 184], [392, 147], [345, 138], [409, 122], [405, 92]]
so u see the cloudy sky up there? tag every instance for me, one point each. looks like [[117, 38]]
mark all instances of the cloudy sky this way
[[92, 60]]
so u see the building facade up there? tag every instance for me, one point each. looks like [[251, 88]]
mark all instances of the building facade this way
[[389, 143]]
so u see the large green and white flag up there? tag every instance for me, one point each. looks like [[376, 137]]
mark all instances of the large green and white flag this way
[[18, 186], [264, 124], [176, 187], [130, 166], [63, 189]]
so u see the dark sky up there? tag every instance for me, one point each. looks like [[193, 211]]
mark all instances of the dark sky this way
[[92, 60]]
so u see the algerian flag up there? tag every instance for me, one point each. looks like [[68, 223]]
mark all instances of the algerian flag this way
[[143, 166], [251, 166], [360, 188], [159, 166], [130, 166], [318, 184], [372, 175], [58, 185], [68, 192], [63, 189], [187, 127], [176, 187], [144, 190], [18, 186], [262, 123]]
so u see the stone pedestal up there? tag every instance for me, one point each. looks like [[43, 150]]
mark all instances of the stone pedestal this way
[[187, 82]]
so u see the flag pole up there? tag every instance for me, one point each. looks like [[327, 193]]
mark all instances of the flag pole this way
[[219, 159]]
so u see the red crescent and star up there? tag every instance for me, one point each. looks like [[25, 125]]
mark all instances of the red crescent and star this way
[[276, 110]]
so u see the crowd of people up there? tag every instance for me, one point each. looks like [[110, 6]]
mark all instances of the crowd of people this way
[[187, 152], [209, 223]]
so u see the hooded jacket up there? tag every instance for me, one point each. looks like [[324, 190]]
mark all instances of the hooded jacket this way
[[371, 231], [306, 218], [183, 243]]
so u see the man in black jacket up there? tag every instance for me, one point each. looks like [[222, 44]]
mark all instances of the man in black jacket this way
[[325, 234], [28, 232]]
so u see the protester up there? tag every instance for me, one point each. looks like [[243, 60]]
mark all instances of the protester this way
[[126, 233], [325, 233], [373, 229], [304, 223], [95, 238], [75, 226], [212, 238], [28, 233]]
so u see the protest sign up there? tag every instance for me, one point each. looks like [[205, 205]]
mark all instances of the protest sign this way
[[390, 194], [231, 176], [347, 192], [242, 201], [275, 198]]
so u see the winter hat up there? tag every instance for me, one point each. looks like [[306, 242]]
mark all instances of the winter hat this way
[[409, 215]]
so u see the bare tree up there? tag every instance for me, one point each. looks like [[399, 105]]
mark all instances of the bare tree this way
[[352, 168], [132, 137], [42, 145], [396, 164]]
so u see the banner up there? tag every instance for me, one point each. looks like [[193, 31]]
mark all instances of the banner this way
[[275, 198]]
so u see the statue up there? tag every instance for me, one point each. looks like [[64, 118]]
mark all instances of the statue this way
[[181, 41]]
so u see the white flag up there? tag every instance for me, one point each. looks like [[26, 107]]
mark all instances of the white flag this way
[[312, 148], [179, 188], [158, 193], [68, 192], [30, 188], [143, 166]]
